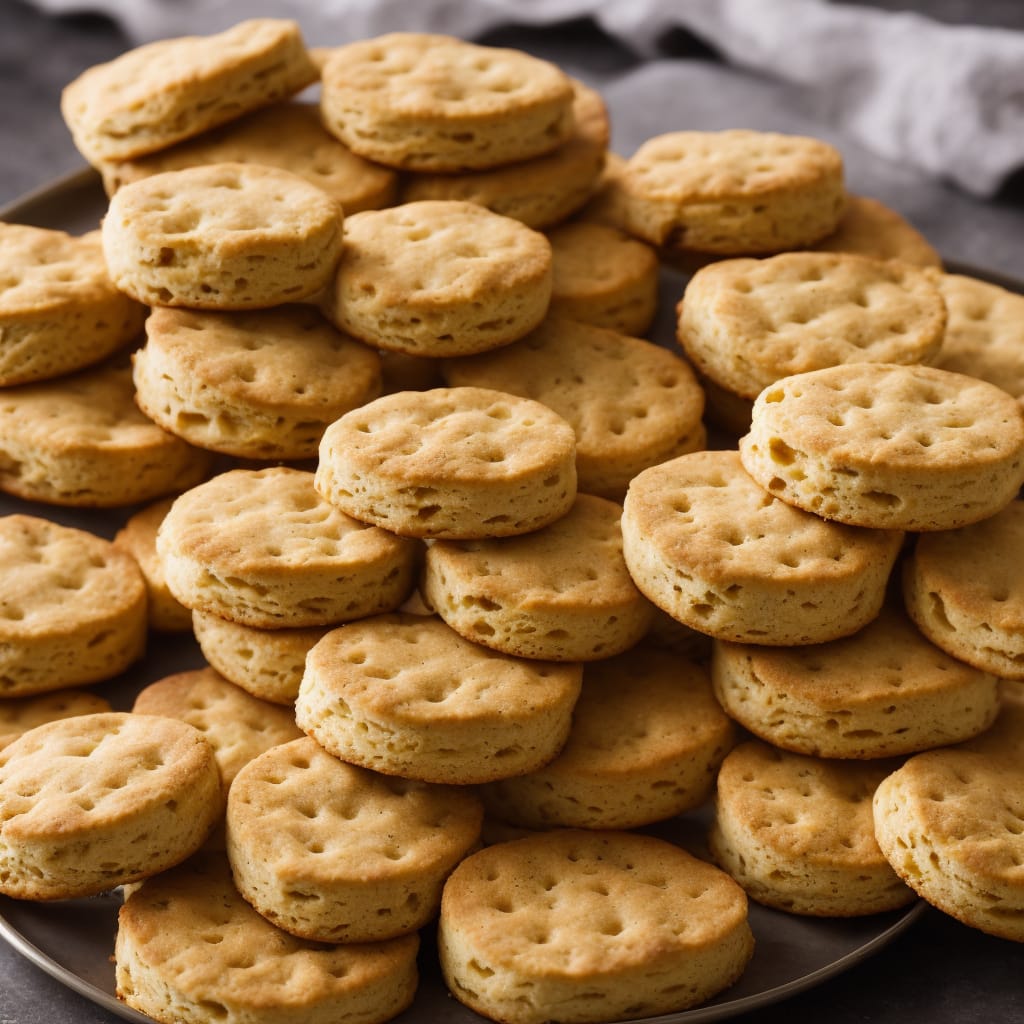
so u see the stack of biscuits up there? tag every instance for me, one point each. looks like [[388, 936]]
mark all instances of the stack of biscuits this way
[[479, 596]]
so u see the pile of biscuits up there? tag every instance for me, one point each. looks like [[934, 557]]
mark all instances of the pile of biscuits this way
[[479, 597]]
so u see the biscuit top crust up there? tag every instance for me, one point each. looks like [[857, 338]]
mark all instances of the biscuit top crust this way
[[86, 411], [421, 75], [969, 805], [976, 569], [236, 724], [810, 807], [142, 90], [705, 511], [430, 672], [803, 311], [574, 562], [673, 710], [85, 772], [887, 661], [368, 827], [605, 901], [436, 253], [458, 434], [619, 393], [692, 167], [268, 521], [43, 270], [226, 209], [983, 333], [286, 135], [53, 578], [912, 418], [244, 960], [288, 357]]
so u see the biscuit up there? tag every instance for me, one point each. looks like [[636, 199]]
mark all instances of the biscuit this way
[[983, 332], [888, 447], [951, 823], [603, 277], [81, 441], [262, 384], [91, 802], [163, 92], [72, 607], [745, 323], [561, 593], [59, 310], [285, 135], [732, 193], [268, 663], [881, 692], [138, 538], [631, 403], [189, 947], [336, 853], [709, 546], [451, 462], [870, 228], [237, 725], [440, 278], [539, 192], [646, 742], [262, 548], [798, 833], [582, 927], [435, 103], [963, 590], [222, 236], [19, 714], [447, 710]]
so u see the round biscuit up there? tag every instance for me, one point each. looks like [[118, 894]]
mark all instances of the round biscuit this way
[[188, 945], [59, 310], [222, 236], [332, 852], [798, 833], [451, 711], [631, 403], [95, 801], [459, 462], [72, 607], [262, 548], [440, 277], [582, 926], [561, 593], [421, 101], [709, 546], [887, 446], [260, 384]]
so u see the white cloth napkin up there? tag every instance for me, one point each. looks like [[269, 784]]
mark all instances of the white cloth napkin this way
[[945, 100]]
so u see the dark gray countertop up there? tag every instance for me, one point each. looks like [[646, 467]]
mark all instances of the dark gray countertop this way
[[938, 972]]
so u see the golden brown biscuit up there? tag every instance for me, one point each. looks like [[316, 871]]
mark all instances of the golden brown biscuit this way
[[163, 92], [888, 447], [451, 462], [406, 695], [59, 310], [435, 103], [91, 802], [222, 236], [589, 926], [709, 546]]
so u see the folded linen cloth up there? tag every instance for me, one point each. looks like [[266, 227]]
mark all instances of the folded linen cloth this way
[[945, 100]]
